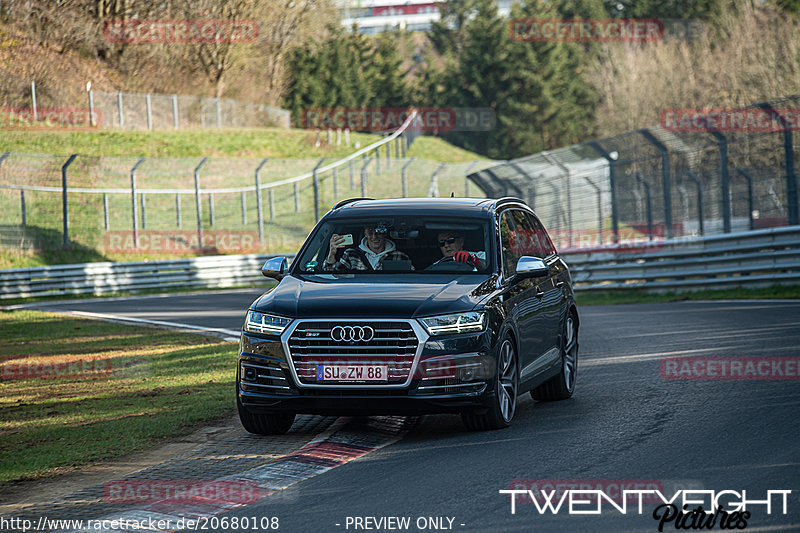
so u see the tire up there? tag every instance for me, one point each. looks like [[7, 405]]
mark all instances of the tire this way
[[264, 424], [562, 386], [501, 412]]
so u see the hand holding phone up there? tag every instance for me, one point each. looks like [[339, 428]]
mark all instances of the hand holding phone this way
[[348, 239]]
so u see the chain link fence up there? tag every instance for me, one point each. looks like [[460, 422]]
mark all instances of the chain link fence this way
[[120, 207], [36, 103], [132, 111], [657, 183]]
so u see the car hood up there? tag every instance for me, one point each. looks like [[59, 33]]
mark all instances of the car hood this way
[[374, 296]]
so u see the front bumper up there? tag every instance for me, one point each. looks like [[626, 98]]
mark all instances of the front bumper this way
[[266, 384]]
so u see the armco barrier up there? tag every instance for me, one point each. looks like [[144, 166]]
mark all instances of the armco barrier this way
[[752, 259], [749, 259], [106, 278]]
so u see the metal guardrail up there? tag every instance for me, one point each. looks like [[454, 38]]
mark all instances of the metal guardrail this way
[[108, 278], [748, 259]]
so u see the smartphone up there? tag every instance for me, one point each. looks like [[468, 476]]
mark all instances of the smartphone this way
[[348, 239]]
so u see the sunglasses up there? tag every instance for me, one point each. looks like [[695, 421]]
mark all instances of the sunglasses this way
[[450, 240]]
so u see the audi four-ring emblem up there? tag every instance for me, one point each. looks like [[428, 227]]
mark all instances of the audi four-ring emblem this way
[[352, 333]]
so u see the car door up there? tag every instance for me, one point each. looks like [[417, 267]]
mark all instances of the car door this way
[[553, 301], [523, 303]]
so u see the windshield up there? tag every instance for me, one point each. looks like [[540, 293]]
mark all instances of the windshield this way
[[398, 244]]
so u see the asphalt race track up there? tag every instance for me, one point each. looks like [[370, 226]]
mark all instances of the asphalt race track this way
[[627, 426]]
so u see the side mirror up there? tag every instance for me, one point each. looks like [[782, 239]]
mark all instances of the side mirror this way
[[531, 267], [275, 268]]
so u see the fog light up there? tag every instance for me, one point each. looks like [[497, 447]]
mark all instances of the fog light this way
[[249, 374], [467, 374]]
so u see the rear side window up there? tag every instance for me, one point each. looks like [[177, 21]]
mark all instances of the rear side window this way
[[545, 245]]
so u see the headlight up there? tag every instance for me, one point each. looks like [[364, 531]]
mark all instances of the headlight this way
[[456, 323], [262, 323]]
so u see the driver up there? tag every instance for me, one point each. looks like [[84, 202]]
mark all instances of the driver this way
[[451, 244], [369, 255]]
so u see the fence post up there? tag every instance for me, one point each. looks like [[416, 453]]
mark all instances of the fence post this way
[[722, 144], [91, 108], [649, 205], [119, 109], [149, 111], [599, 209], [352, 176], [144, 211], [105, 210], [22, 206], [466, 177], [175, 110], [244, 210], [397, 147], [211, 209], [198, 205], [554, 160], [388, 155], [699, 199], [296, 197], [316, 188], [433, 191], [178, 208], [219, 114], [665, 182], [259, 211], [133, 203], [403, 178], [335, 183], [33, 99], [271, 204], [378, 161], [746, 176], [364, 178], [791, 177], [64, 202], [612, 178]]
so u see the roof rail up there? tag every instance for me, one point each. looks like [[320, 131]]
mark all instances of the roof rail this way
[[349, 201], [509, 200]]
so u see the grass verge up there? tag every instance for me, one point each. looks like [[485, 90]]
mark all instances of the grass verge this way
[[74, 391], [637, 297]]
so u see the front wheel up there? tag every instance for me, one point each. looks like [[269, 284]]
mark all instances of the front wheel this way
[[264, 424], [562, 386], [501, 412]]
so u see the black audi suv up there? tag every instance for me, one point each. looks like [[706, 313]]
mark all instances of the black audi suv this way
[[411, 306]]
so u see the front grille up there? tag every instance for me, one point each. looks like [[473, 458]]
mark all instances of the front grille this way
[[394, 345]]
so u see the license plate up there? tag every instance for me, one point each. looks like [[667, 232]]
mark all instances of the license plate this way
[[352, 373]]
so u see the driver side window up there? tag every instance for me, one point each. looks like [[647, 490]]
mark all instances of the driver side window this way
[[508, 242]]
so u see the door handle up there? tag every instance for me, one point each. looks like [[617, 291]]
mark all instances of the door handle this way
[[539, 292], [560, 284]]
